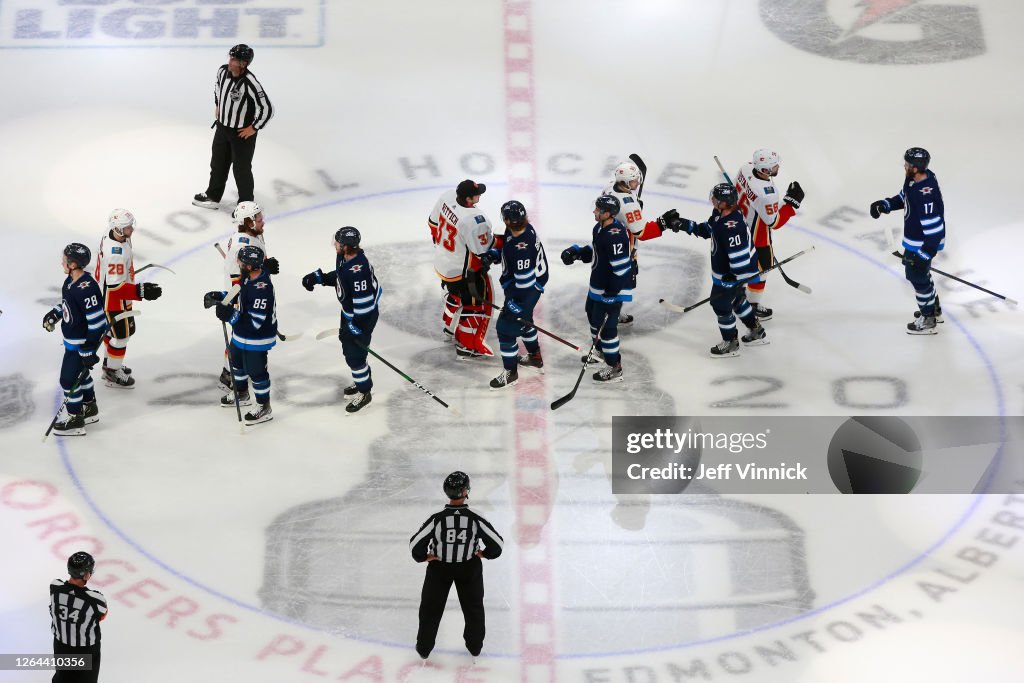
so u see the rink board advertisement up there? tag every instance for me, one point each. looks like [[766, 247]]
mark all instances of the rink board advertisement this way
[[815, 455]]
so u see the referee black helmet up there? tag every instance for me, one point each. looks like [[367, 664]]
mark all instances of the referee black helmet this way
[[455, 483], [242, 53], [80, 564]]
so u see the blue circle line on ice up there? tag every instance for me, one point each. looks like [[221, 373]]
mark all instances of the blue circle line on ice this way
[[997, 388]]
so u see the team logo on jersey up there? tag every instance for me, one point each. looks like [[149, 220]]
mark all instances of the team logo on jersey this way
[[522, 245], [115, 250], [481, 219], [872, 31], [770, 189], [613, 231], [731, 224], [260, 285], [926, 190], [627, 200], [356, 268], [84, 284]]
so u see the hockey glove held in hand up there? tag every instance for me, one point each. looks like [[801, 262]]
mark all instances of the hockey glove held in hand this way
[[148, 291], [879, 207], [729, 280], [89, 357], [669, 220], [794, 195], [211, 299], [226, 313], [490, 257], [272, 266], [51, 319], [313, 279], [570, 255], [915, 261], [513, 308]]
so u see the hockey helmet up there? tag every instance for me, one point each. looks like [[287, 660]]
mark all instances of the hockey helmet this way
[[455, 483], [348, 237], [242, 53], [513, 212], [245, 211], [469, 188], [724, 192], [627, 172], [607, 204], [764, 160], [79, 254], [119, 220], [251, 255], [80, 564], [918, 157]]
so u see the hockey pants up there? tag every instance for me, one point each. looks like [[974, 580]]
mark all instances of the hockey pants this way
[[251, 365], [609, 341], [508, 329], [355, 355], [70, 369], [468, 578], [730, 303], [921, 278]]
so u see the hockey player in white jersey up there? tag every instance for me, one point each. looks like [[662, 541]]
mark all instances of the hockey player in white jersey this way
[[624, 187], [115, 273], [248, 218], [461, 233], [760, 205]]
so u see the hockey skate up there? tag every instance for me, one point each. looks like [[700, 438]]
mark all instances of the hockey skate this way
[[360, 401], [726, 349], [755, 336], [127, 370], [938, 312], [90, 412], [119, 379], [447, 335], [224, 383], [763, 313], [263, 413], [923, 324], [466, 353], [595, 357], [204, 202], [506, 379], [532, 360], [229, 401], [625, 319], [351, 390], [71, 425], [609, 374]]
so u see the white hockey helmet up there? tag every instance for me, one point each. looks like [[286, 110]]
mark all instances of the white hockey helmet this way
[[627, 172], [121, 219], [765, 160], [245, 210]]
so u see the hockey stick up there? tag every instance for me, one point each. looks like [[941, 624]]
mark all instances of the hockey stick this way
[[154, 265], [333, 332], [789, 281], [679, 309], [280, 335], [84, 373], [635, 158], [897, 254], [558, 403], [529, 323], [229, 298]]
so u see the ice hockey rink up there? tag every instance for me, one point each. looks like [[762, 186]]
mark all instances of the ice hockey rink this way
[[282, 554]]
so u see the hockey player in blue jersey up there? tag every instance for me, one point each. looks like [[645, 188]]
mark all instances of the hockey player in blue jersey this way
[[253, 333], [733, 262], [359, 294], [924, 234], [524, 273], [82, 322], [611, 283]]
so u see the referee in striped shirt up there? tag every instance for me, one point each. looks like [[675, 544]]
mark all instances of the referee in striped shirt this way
[[449, 542], [242, 110], [77, 612]]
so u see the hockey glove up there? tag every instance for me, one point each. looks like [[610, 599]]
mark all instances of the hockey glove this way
[[794, 195], [513, 308], [915, 261], [211, 299], [89, 357], [610, 298], [668, 220], [226, 313], [272, 266], [50, 320], [313, 279], [490, 257], [571, 255], [729, 280], [475, 286], [879, 207], [148, 291], [353, 329]]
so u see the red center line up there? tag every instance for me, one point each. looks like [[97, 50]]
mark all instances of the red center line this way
[[533, 491]]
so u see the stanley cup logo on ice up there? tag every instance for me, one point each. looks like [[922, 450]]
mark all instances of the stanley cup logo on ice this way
[[182, 23]]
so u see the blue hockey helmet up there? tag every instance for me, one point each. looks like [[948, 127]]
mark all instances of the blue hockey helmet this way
[[513, 212], [607, 204], [918, 157], [725, 192], [251, 255], [79, 254], [80, 564], [348, 237], [455, 483]]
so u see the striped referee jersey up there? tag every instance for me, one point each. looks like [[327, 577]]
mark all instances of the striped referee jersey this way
[[76, 613], [454, 535], [242, 101]]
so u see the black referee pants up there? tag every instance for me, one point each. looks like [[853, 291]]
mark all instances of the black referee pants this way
[[92, 676], [230, 151], [469, 582]]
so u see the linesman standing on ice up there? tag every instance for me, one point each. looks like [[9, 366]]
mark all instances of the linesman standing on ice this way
[[242, 109], [76, 612], [924, 234], [449, 543]]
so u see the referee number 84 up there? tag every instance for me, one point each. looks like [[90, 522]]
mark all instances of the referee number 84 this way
[[451, 536]]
